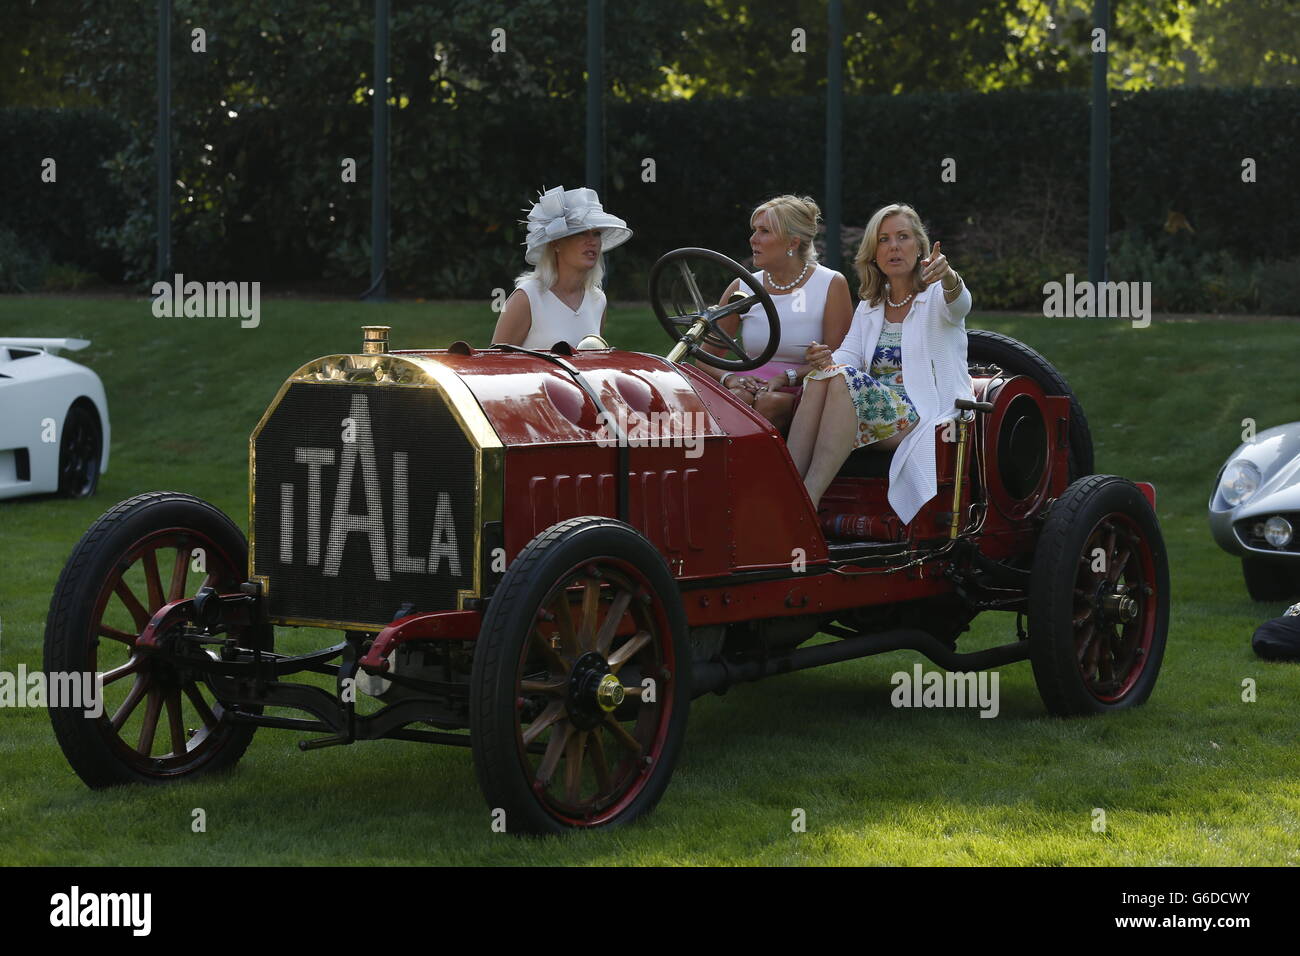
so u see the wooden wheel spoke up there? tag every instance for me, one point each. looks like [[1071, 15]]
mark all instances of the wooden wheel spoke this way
[[625, 653], [598, 763], [200, 705], [176, 724], [180, 569], [153, 582], [1106, 656], [1095, 647], [564, 624], [590, 610], [133, 698], [553, 712], [621, 734], [553, 660], [133, 606], [609, 627], [149, 727], [552, 687], [573, 754], [554, 750], [112, 632], [1118, 565], [117, 673], [1085, 642]]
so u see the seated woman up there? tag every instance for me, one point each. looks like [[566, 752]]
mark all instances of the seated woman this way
[[899, 370], [561, 299], [813, 303]]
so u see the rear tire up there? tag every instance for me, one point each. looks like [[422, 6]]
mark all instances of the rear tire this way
[[1098, 599], [81, 449], [1015, 358]]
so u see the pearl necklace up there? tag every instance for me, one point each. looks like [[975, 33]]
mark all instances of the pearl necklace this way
[[797, 279], [897, 305]]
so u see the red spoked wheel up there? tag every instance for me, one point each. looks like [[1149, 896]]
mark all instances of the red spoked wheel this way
[[1099, 599], [155, 719], [581, 685]]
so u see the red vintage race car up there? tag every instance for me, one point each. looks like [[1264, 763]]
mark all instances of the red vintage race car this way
[[546, 555]]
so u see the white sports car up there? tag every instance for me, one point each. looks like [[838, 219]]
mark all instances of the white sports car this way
[[53, 420]]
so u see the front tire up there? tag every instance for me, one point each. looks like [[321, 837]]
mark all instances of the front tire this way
[[1098, 599], [1269, 580], [555, 745], [156, 723]]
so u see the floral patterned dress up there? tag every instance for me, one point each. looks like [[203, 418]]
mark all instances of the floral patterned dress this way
[[882, 405]]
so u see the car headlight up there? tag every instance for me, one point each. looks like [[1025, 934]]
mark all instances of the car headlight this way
[[1240, 480], [1277, 531]]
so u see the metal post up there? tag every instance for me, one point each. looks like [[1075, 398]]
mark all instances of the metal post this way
[[162, 148], [595, 93], [1099, 159], [379, 162], [834, 130]]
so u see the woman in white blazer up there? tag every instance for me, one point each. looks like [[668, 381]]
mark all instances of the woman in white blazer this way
[[897, 373]]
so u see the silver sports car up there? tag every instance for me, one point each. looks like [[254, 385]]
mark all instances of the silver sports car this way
[[1255, 511]]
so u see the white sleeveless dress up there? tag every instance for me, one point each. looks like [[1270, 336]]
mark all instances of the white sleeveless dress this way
[[801, 314], [553, 321]]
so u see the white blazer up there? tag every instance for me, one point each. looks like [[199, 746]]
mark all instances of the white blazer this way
[[934, 377]]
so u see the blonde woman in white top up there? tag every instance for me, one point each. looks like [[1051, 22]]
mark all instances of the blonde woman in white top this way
[[897, 373], [813, 304], [560, 300]]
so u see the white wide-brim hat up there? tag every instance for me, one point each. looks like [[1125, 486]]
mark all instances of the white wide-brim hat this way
[[561, 212]]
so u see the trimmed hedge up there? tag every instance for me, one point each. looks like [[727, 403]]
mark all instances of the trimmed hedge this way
[[64, 218], [265, 193]]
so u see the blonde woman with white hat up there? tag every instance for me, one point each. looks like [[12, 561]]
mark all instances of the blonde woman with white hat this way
[[560, 300]]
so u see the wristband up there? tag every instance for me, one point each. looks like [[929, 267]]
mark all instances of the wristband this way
[[725, 375]]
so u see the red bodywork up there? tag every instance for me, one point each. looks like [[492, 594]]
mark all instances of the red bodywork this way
[[738, 509]]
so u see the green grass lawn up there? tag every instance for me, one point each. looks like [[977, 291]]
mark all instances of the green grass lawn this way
[[1196, 776]]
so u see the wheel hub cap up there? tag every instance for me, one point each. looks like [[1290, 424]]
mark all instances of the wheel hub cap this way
[[609, 693]]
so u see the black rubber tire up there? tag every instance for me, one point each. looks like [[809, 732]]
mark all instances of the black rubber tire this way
[[81, 449], [1015, 358], [548, 559], [1270, 580], [1057, 570], [94, 749]]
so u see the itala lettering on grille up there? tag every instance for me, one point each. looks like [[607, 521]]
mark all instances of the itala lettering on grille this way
[[325, 544]]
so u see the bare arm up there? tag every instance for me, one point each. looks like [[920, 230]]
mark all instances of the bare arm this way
[[516, 320]]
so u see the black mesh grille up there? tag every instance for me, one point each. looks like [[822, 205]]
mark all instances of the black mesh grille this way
[[405, 533]]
